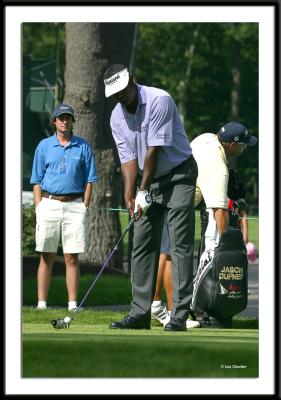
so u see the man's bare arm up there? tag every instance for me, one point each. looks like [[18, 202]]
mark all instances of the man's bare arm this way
[[129, 173], [37, 194], [222, 219]]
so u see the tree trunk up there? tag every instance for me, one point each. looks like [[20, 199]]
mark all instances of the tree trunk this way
[[90, 49], [184, 82]]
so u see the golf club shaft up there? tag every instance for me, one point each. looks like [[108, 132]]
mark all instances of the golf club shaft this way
[[115, 248]]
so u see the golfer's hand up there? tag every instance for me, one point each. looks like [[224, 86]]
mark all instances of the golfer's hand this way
[[130, 204], [143, 201]]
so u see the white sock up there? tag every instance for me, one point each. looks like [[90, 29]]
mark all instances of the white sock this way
[[42, 303], [72, 304], [156, 303]]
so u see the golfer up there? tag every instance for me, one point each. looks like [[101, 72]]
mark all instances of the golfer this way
[[159, 174], [62, 176]]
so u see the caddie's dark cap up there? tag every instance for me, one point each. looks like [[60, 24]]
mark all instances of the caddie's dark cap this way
[[63, 109], [237, 133]]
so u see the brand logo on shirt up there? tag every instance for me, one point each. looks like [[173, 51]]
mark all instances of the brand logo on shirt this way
[[165, 136]]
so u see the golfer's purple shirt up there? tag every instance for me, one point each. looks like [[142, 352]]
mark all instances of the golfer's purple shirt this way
[[155, 123]]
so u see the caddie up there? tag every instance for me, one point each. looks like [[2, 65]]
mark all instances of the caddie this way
[[211, 152], [159, 174]]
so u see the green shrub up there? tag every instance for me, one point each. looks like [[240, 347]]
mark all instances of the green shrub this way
[[28, 230]]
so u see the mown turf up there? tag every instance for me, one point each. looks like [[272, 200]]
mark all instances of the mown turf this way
[[90, 349], [111, 289]]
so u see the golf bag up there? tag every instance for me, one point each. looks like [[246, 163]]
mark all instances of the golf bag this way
[[221, 281]]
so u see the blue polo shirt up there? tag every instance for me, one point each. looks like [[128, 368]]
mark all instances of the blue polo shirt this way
[[63, 170], [155, 123]]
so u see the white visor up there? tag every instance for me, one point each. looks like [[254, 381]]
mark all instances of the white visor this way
[[116, 83]]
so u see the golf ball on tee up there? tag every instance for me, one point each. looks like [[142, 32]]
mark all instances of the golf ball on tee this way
[[66, 319]]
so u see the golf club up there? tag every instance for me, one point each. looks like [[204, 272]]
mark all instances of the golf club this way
[[65, 323]]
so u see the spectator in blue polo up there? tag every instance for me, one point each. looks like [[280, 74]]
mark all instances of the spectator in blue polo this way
[[62, 177], [159, 174]]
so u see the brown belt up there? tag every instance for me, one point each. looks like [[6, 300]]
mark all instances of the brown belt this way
[[63, 197]]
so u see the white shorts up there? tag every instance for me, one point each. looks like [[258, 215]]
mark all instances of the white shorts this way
[[213, 174], [68, 220]]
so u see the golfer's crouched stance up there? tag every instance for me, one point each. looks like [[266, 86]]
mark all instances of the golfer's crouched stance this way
[[159, 174]]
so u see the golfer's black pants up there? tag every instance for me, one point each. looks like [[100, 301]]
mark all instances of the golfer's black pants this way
[[173, 193]]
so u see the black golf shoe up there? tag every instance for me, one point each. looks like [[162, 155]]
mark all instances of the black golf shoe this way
[[176, 324], [215, 323], [131, 323]]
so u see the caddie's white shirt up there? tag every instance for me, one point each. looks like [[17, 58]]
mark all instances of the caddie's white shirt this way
[[212, 181], [155, 123]]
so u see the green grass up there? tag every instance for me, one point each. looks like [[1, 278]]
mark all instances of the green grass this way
[[253, 227], [124, 220], [89, 316], [110, 289], [89, 349]]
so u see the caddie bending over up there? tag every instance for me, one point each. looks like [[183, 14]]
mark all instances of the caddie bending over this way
[[211, 151]]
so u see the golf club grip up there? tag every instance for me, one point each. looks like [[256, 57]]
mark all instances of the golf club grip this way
[[115, 248]]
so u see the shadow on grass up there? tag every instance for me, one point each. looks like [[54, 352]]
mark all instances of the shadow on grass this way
[[245, 323]]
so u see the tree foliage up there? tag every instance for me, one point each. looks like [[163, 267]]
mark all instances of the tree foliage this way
[[194, 62], [41, 39], [163, 57]]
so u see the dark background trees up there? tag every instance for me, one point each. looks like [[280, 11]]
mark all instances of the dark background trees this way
[[211, 69]]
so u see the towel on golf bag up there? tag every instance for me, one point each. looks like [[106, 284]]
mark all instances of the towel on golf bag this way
[[221, 281]]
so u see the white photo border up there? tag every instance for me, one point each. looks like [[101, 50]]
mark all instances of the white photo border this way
[[14, 17]]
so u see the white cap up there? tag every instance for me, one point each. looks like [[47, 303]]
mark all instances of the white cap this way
[[116, 82]]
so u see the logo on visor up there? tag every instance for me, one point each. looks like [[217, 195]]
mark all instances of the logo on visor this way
[[112, 80]]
